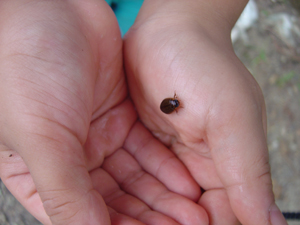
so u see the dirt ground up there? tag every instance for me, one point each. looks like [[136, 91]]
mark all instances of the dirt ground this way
[[275, 63]]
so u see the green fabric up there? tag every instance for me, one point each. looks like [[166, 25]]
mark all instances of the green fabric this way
[[126, 12]]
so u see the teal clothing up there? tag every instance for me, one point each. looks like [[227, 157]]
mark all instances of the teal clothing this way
[[126, 12]]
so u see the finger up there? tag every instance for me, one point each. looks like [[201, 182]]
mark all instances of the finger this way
[[217, 206], [16, 177], [63, 182], [159, 161], [124, 203], [108, 133], [58, 197], [239, 150], [120, 219], [199, 164], [131, 178]]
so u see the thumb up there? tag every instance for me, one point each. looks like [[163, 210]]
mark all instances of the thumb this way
[[240, 152], [58, 168], [57, 164]]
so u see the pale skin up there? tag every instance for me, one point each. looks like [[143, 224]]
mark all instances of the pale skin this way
[[74, 149]]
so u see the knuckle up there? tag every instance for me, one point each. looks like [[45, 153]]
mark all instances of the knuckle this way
[[61, 206]]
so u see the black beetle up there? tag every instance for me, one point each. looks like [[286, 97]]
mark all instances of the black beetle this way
[[169, 105]]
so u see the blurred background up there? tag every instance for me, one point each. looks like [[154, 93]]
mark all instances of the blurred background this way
[[267, 40], [269, 46]]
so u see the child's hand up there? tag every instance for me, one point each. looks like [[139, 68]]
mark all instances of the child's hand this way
[[220, 133]]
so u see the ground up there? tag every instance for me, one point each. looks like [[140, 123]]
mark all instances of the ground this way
[[274, 61]]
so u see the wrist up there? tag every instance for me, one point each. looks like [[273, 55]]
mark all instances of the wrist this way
[[218, 15]]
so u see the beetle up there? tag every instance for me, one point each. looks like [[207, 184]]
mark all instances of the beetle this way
[[169, 105]]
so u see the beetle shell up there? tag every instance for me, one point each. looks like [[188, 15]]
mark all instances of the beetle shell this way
[[169, 105]]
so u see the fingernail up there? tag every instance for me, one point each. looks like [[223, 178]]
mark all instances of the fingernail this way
[[276, 217]]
